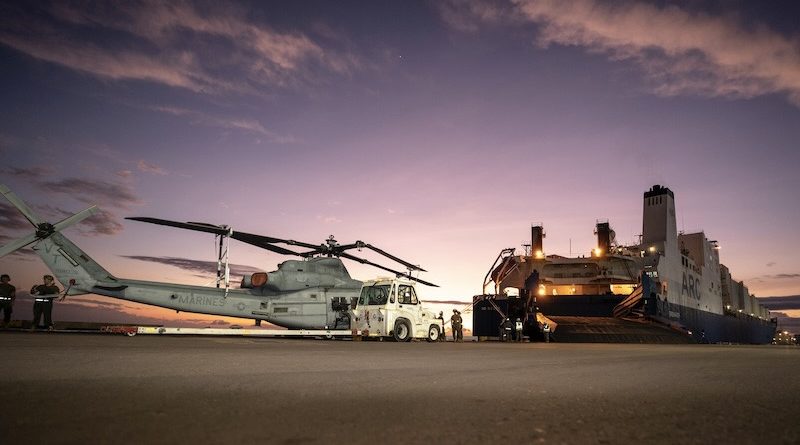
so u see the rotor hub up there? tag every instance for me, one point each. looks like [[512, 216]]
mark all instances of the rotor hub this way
[[44, 230]]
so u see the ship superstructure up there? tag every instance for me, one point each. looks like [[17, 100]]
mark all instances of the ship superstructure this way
[[670, 280]]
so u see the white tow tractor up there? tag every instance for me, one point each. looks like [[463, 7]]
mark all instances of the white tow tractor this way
[[390, 308]]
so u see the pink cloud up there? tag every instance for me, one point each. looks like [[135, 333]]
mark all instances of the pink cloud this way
[[230, 123], [680, 52], [147, 167]]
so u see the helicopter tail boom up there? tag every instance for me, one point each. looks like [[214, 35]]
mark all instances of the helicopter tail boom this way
[[72, 266]]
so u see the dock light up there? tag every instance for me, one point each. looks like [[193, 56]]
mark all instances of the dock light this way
[[542, 289], [728, 306], [785, 332], [652, 249], [740, 311], [598, 251], [538, 254]]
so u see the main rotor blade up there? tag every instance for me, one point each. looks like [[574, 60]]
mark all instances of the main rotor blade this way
[[397, 273], [272, 240], [420, 281], [208, 228], [392, 257], [292, 242], [263, 242], [20, 205], [205, 224], [17, 244]]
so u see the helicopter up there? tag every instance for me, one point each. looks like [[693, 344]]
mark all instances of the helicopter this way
[[314, 292]]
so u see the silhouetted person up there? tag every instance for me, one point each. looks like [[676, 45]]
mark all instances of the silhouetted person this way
[[8, 293], [531, 286], [506, 330], [455, 321], [43, 302]]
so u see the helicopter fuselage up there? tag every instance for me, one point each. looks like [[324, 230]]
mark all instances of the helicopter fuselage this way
[[310, 294]]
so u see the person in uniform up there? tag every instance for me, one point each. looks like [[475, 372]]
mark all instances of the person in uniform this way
[[546, 332], [455, 321], [506, 330], [44, 294], [7, 297]]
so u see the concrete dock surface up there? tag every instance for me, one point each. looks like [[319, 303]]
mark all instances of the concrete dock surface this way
[[94, 388]]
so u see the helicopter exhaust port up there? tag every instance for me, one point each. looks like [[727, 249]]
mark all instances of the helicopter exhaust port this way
[[257, 279]]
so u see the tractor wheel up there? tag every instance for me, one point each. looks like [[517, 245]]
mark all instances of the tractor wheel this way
[[433, 333], [402, 330]]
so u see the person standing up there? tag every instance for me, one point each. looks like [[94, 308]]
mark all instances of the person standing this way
[[43, 302], [531, 286], [455, 321], [507, 328], [546, 332], [8, 293]]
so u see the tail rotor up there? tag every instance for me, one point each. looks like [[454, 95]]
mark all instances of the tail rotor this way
[[43, 228]]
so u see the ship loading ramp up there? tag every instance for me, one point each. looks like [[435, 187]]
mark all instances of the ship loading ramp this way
[[596, 323]]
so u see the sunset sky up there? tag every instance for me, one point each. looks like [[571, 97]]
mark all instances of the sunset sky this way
[[438, 131]]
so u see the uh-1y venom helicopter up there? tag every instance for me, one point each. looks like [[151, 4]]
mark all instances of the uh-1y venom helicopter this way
[[313, 293]]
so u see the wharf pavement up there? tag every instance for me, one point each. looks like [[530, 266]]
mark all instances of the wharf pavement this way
[[93, 388]]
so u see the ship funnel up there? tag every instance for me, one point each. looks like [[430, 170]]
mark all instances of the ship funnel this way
[[605, 237], [537, 246]]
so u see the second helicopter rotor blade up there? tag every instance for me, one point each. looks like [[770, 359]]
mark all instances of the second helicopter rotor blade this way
[[200, 227], [392, 257], [291, 242], [363, 261], [262, 242], [398, 273], [420, 281]]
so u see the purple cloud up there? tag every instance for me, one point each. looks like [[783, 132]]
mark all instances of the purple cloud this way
[[172, 44], [11, 218], [33, 173], [781, 303], [94, 192]]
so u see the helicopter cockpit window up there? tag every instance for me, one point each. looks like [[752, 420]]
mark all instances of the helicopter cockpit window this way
[[406, 295], [374, 295]]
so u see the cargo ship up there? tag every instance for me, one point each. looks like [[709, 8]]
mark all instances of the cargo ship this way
[[669, 288]]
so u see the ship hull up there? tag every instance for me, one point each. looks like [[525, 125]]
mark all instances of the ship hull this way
[[725, 328]]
